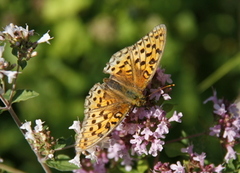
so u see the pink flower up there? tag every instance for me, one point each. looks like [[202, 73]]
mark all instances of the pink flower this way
[[219, 109], [146, 132], [162, 128], [157, 145], [200, 158], [213, 98], [229, 133], [162, 77], [178, 168], [215, 130], [231, 154], [188, 150], [218, 169], [176, 117]]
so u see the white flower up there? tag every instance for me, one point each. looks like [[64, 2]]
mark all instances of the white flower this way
[[1, 52], [34, 54], [2, 60], [76, 160], [24, 31], [166, 97], [29, 134], [91, 154], [50, 156], [45, 38], [3, 63], [9, 29], [38, 127], [26, 126], [76, 126], [10, 74]]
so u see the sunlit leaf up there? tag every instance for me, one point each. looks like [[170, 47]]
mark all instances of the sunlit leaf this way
[[21, 95], [61, 163]]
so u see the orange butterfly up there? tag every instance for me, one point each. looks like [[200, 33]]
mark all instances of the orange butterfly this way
[[131, 69]]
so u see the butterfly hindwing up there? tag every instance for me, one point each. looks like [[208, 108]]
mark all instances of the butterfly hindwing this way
[[103, 112]]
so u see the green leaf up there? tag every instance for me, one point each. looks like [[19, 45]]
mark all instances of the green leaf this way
[[168, 107], [2, 110], [22, 63], [142, 166], [61, 163], [231, 165], [62, 142], [21, 95], [15, 52], [173, 149], [122, 169]]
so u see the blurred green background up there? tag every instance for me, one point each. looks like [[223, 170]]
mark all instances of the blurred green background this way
[[201, 53]]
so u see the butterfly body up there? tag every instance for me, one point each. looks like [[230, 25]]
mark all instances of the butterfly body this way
[[131, 69], [131, 94]]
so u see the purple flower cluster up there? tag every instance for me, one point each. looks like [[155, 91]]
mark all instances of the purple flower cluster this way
[[167, 168], [89, 167], [39, 138], [143, 131], [195, 164], [227, 128], [148, 130]]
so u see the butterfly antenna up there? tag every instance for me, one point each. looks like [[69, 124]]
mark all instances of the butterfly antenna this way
[[167, 86]]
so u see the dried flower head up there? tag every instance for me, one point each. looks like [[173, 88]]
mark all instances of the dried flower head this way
[[40, 138]]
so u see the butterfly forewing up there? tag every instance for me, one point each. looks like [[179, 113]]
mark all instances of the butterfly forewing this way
[[135, 65]]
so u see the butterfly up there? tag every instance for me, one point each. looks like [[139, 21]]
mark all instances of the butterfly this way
[[131, 69]]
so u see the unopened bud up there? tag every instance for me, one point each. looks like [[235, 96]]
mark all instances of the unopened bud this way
[[34, 54]]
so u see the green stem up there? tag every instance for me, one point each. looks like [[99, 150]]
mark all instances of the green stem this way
[[187, 137], [9, 169], [234, 62], [14, 85], [18, 123]]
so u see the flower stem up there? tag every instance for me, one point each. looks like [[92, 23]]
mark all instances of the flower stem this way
[[14, 86], [18, 123], [187, 137]]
